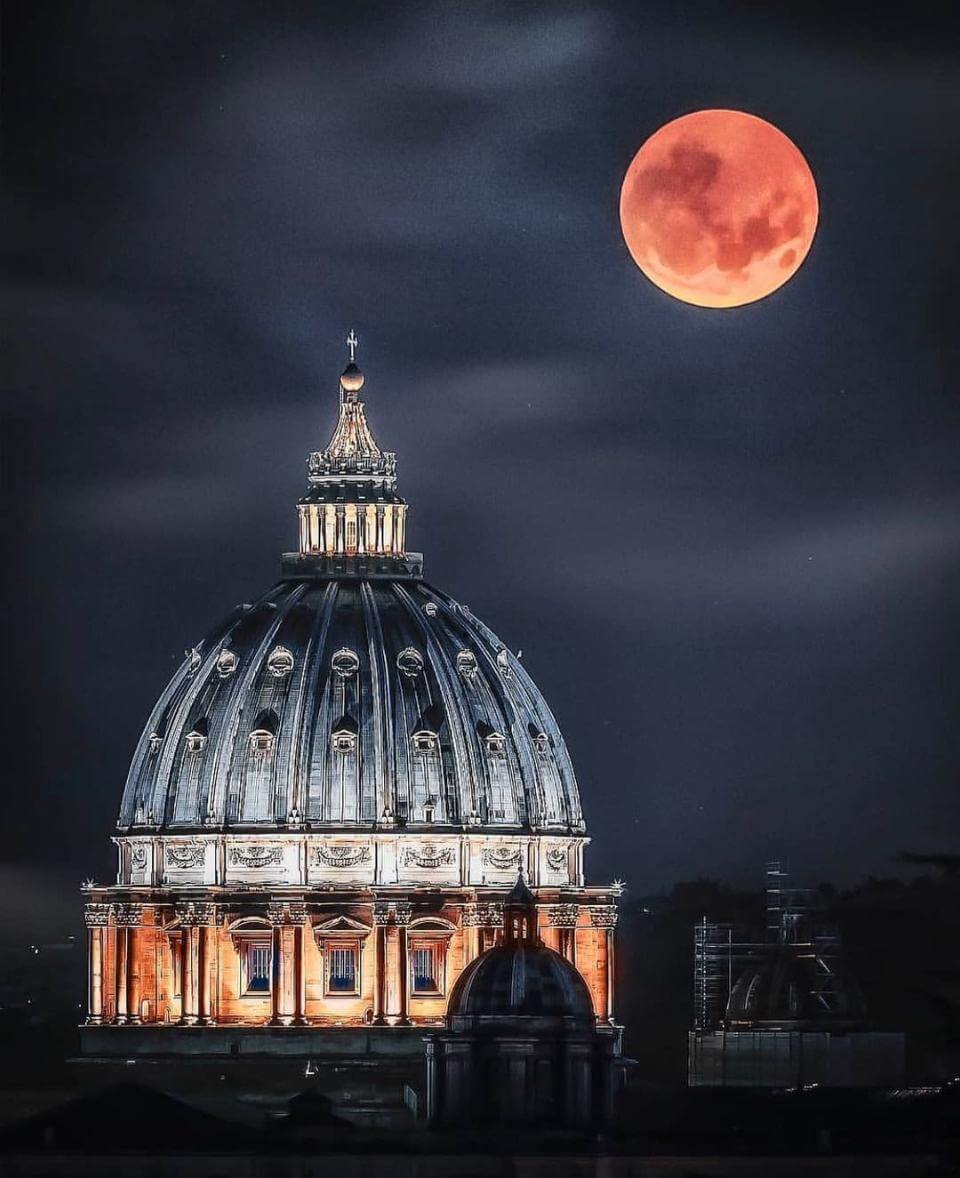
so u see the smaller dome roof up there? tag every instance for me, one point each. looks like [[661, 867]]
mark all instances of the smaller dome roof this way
[[784, 987], [351, 379], [521, 979]]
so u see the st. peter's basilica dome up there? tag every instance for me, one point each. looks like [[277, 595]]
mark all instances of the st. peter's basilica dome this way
[[351, 699]]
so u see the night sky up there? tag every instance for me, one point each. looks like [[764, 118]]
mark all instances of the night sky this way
[[726, 541]]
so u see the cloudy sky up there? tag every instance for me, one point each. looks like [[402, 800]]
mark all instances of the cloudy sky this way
[[726, 541]]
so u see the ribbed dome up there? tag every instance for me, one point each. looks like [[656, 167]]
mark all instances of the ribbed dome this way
[[785, 987], [520, 979], [352, 702]]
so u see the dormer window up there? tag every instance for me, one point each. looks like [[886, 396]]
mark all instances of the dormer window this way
[[280, 662], [264, 731], [154, 742], [495, 742], [430, 609], [410, 663], [426, 735], [196, 738], [193, 660], [541, 742], [226, 663], [345, 663], [503, 663], [343, 738], [467, 664]]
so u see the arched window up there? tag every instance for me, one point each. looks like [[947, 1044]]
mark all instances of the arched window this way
[[253, 941], [427, 940]]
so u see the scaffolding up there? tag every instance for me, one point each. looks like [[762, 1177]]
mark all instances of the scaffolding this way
[[785, 1053], [719, 954]]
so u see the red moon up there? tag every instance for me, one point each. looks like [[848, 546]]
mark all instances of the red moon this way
[[718, 208]]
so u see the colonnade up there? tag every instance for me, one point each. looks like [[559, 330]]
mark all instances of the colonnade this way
[[352, 529]]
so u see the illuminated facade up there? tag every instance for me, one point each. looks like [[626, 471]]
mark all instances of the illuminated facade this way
[[331, 800]]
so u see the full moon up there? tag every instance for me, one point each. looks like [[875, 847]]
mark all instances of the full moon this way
[[718, 208]]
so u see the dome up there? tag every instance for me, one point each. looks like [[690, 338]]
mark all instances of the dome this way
[[352, 702], [355, 696], [785, 987], [521, 977], [521, 980]]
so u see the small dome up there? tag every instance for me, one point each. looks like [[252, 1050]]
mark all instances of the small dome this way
[[351, 379], [521, 979], [784, 987]]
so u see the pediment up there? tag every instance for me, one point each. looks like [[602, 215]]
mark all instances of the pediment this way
[[342, 925]]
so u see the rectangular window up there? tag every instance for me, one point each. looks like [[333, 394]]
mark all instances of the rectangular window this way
[[257, 967], [426, 968], [343, 969]]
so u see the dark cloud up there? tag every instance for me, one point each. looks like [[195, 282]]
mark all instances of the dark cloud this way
[[726, 541]]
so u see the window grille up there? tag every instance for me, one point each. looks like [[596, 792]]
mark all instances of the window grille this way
[[342, 975], [425, 969], [258, 959]]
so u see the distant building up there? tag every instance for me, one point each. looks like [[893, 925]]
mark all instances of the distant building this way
[[783, 1011], [328, 805]]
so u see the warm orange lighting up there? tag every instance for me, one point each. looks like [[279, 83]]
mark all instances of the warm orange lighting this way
[[718, 208]]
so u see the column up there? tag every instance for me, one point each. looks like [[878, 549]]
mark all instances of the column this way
[[340, 544], [563, 918], [482, 923], [192, 916], [120, 976], [128, 919], [299, 1017], [381, 915], [188, 974], [286, 918], [204, 959], [603, 917], [403, 979], [400, 914], [134, 941], [96, 917]]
